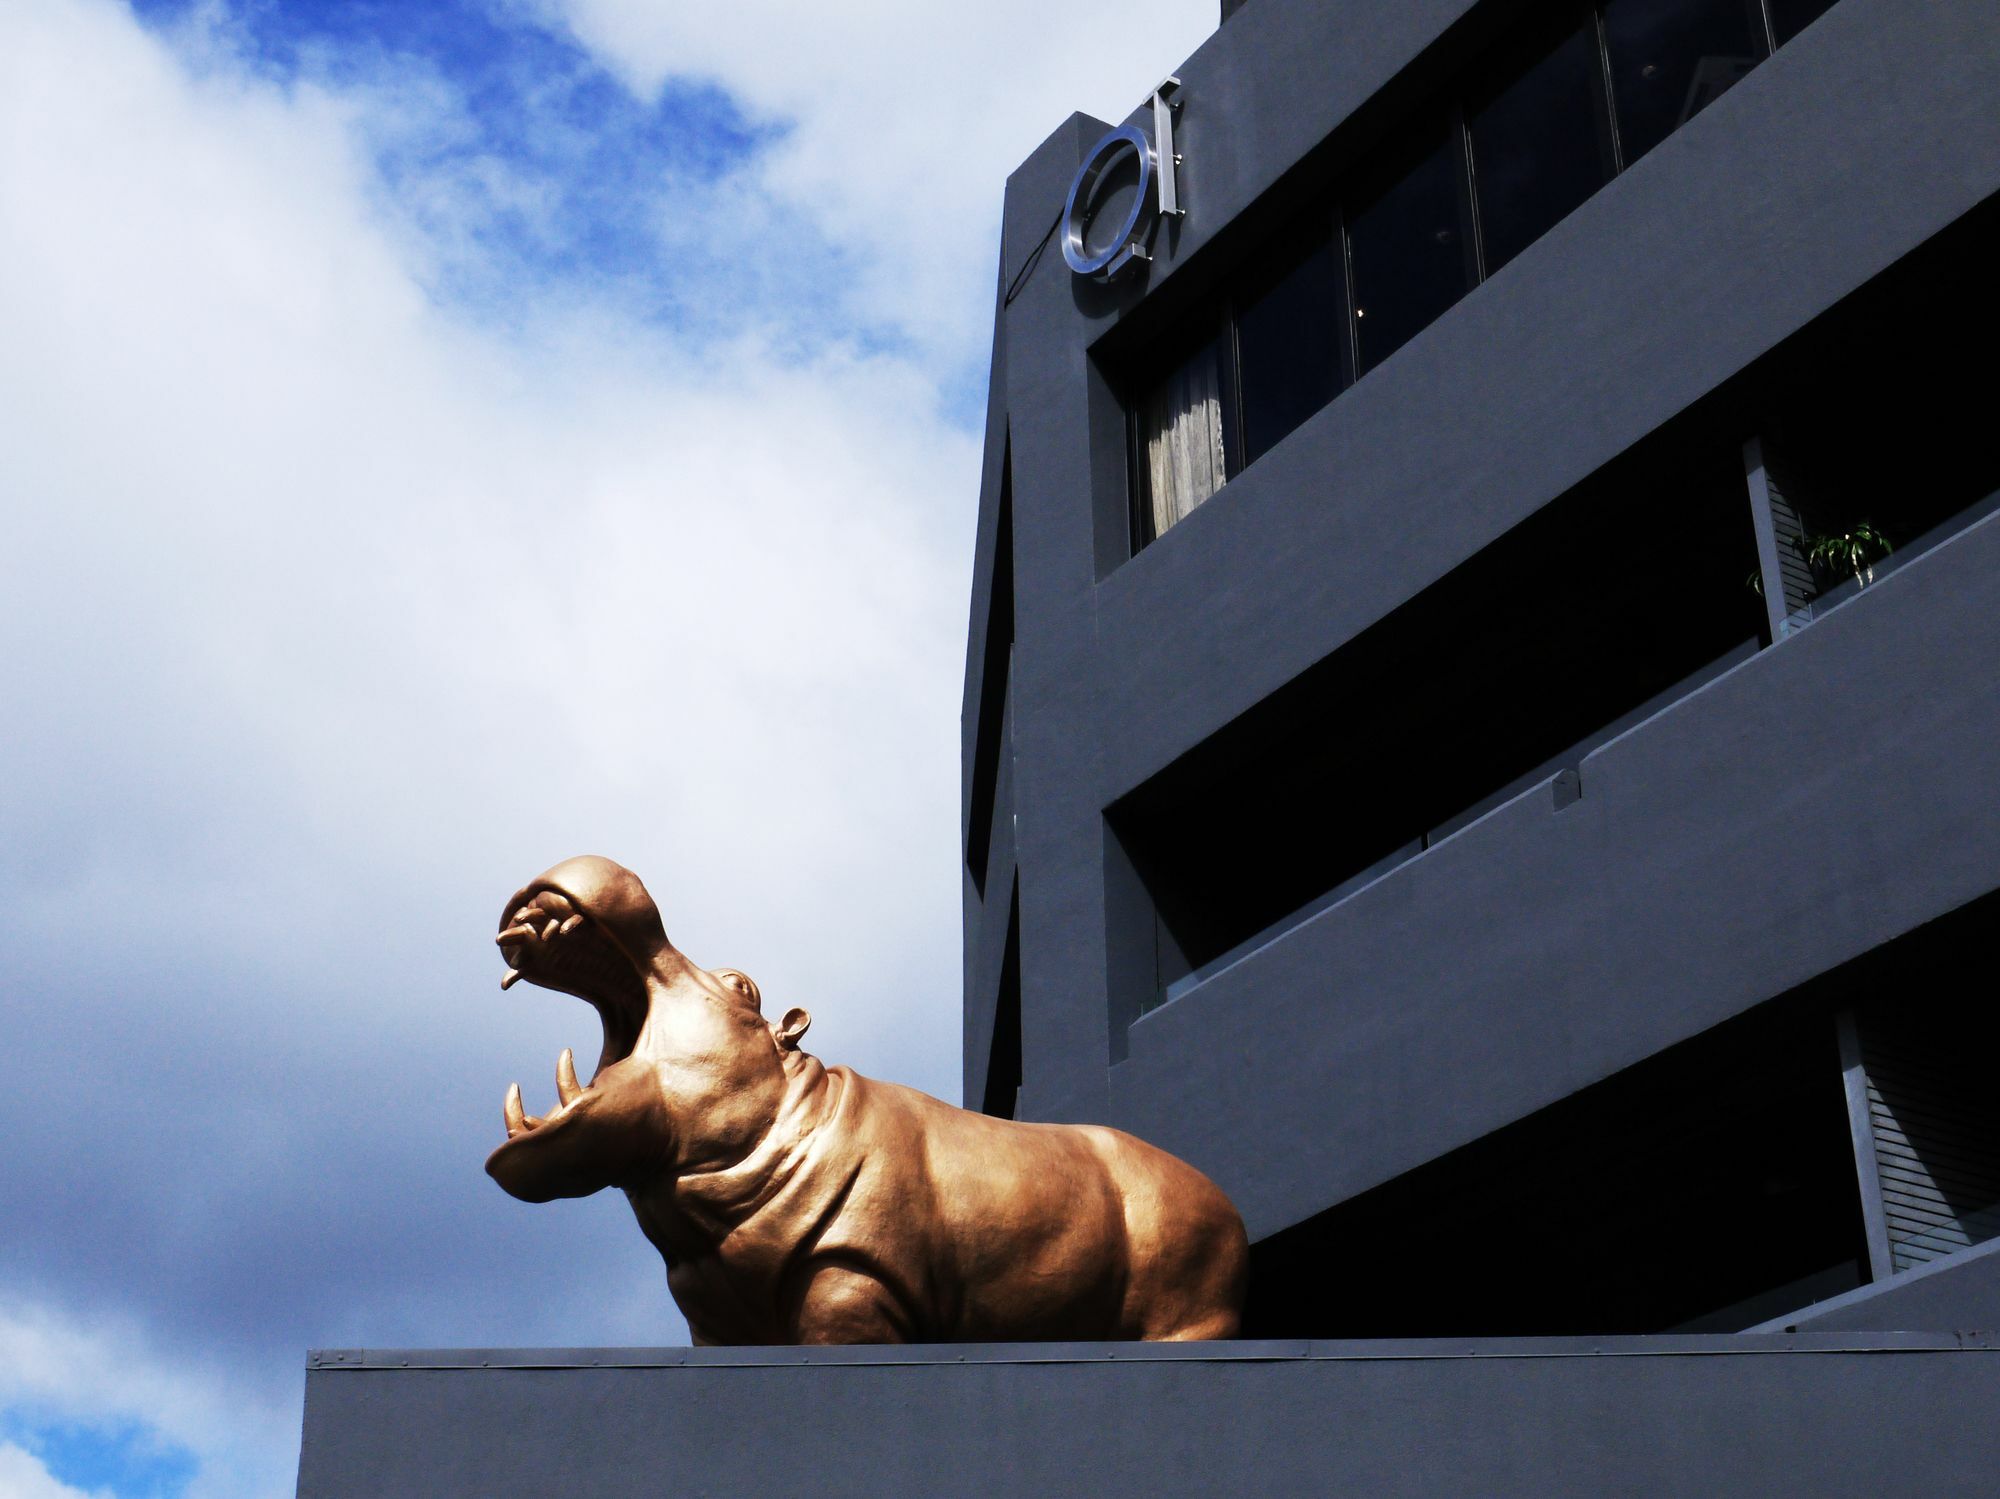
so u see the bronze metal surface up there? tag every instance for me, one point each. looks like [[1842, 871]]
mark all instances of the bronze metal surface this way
[[799, 1203]]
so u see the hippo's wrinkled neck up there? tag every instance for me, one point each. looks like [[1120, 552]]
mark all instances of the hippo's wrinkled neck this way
[[805, 1075], [713, 1201]]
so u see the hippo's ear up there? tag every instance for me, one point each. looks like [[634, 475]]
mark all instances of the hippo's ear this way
[[788, 1030]]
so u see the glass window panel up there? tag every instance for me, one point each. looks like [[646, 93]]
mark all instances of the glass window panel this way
[[1181, 437], [1536, 151], [1288, 327], [1790, 17], [1670, 59], [1407, 252]]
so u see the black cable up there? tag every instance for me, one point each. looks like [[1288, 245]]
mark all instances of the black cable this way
[[1034, 256]]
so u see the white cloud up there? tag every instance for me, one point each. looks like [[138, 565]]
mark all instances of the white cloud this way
[[104, 1375], [22, 1476], [906, 117], [388, 598], [328, 620]]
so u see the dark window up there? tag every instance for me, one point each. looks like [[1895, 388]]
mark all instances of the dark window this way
[[1790, 17], [1669, 60], [1407, 245], [1612, 601], [1559, 109], [1288, 335], [1537, 146], [1707, 1189]]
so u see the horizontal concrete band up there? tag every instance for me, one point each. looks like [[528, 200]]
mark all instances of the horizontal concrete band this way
[[1809, 1414]]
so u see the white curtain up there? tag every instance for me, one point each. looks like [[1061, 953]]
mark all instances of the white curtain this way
[[1184, 457]]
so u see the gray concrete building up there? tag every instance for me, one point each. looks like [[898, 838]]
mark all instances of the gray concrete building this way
[[1482, 733], [1482, 717]]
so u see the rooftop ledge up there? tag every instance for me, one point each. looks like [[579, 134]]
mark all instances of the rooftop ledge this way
[[1816, 1415], [1355, 1351]]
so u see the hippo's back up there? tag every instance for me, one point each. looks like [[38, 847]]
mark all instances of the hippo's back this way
[[1054, 1231]]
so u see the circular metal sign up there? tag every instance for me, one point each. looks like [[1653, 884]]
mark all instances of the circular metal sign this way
[[1116, 250]]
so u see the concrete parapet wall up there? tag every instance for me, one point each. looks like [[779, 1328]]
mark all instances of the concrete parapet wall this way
[[1812, 1414]]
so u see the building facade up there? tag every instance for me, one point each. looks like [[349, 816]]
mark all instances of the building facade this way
[[1482, 713]]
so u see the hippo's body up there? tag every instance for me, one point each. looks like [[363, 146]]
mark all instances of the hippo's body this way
[[797, 1203], [893, 1217]]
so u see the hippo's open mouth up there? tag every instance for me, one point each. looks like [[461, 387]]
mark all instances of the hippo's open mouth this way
[[549, 940]]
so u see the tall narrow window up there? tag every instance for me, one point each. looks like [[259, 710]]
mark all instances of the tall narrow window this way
[[991, 731], [1288, 335], [1538, 148], [1407, 246], [1003, 1058], [1670, 59], [1182, 437]]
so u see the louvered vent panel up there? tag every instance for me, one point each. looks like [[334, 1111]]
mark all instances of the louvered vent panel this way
[[1795, 571], [1937, 1134]]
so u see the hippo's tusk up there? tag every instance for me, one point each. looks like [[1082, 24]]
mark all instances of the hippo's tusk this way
[[571, 925], [567, 1087], [515, 935], [554, 902], [516, 1116], [510, 978]]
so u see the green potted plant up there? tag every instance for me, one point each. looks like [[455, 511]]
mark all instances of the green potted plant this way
[[1854, 552], [1850, 553]]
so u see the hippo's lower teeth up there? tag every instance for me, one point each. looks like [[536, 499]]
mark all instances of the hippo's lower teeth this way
[[567, 1087], [568, 1091]]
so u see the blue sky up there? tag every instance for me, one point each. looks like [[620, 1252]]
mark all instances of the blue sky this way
[[122, 1457], [444, 438], [511, 147]]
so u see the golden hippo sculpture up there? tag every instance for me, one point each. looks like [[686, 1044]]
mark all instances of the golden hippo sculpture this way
[[799, 1203]]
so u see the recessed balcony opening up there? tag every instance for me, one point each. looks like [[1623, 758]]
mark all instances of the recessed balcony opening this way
[[1610, 602], [1834, 1136], [1877, 442], [1708, 1189]]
